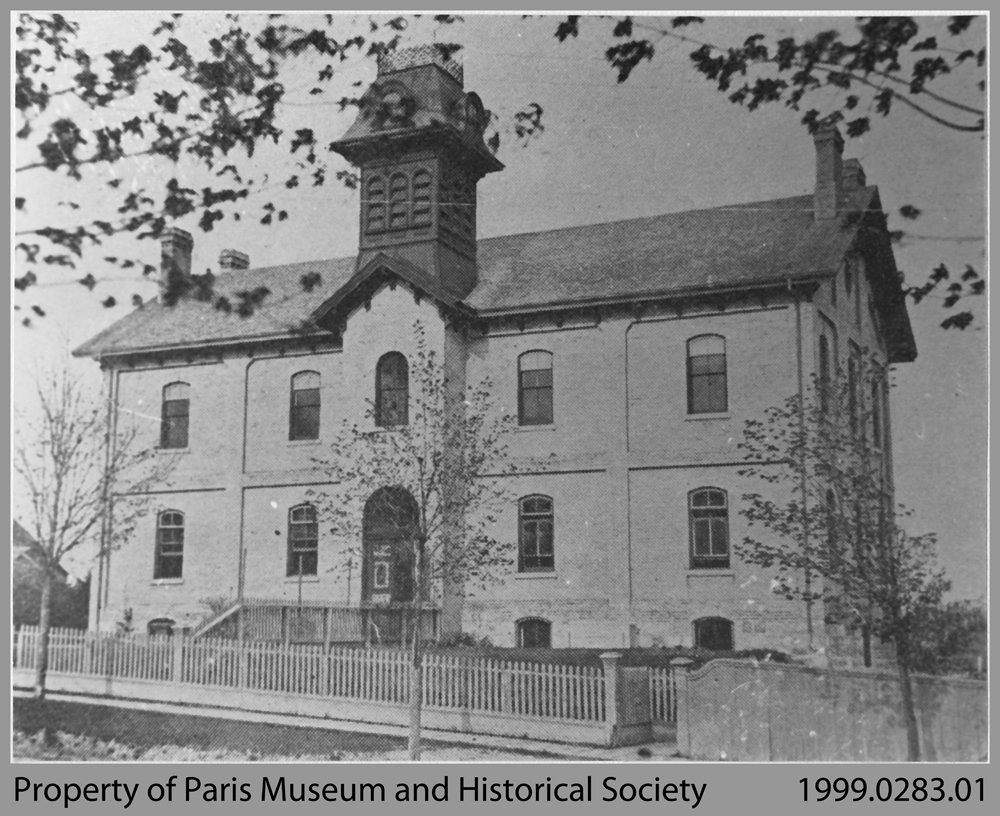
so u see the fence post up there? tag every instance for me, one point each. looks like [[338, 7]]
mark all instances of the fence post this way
[[679, 667], [612, 714], [177, 664], [506, 688]]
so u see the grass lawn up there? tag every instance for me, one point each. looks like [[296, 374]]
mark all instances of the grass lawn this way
[[66, 731]]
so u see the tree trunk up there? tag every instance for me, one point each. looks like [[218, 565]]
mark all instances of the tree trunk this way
[[909, 710], [417, 659], [42, 652]]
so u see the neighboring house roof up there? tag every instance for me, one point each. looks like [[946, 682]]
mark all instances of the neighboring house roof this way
[[695, 252], [25, 548]]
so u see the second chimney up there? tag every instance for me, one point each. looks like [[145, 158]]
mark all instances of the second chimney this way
[[829, 170], [233, 259], [175, 262]]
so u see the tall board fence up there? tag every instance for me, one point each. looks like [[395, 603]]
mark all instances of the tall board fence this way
[[605, 705], [746, 711]]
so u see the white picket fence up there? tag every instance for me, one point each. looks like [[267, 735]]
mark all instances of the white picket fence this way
[[372, 674]]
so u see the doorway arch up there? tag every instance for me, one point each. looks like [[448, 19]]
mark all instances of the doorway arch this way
[[389, 526]]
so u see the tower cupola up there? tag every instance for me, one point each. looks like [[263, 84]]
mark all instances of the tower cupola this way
[[418, 142]]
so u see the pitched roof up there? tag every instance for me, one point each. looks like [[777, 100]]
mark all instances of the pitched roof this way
[[739, 246]]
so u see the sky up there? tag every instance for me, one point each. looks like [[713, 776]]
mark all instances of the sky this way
[[665, 141]]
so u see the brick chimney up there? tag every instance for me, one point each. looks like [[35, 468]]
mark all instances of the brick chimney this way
[[175, 261], [232, 260], [829, 172], [852, 176]]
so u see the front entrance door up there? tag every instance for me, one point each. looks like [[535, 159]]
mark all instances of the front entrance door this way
[[389, 528]]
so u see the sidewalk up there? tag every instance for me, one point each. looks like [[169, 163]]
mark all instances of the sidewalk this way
[[534, 750]]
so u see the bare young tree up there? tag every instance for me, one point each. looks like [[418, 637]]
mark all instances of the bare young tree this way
[[827, 523], [424, 474], [70, 458]]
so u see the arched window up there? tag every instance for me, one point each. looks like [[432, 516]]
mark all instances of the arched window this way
[[375, 204], [303, 540], [708, 514], [303, 421], [421, 199], [536, 551], [824, 374], [399, 201], [392, 390], [168, 561], [534, 389], [706, 374], [174, 416], [713, 633], [534, 633]]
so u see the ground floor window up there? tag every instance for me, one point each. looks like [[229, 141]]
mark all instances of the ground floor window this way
[[534, 633], [713, 633]]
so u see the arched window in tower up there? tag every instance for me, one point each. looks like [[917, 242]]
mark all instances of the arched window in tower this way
[[398, 201], [392, 390], [421, 199], [375, 204]]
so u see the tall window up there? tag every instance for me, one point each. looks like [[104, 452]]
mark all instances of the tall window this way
[[824, 374], [713, 633], [708, 514], [534, 633], [168, 561], [303, 540], [536, 552], [392, 390], [303, 422], [421, 199], [174, 418], [375, 204], [706, 374], [399, 201], [534, 392]]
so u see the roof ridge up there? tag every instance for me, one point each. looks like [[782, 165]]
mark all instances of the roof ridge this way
[[743, 206]]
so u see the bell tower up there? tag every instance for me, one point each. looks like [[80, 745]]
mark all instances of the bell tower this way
[[418, 142]]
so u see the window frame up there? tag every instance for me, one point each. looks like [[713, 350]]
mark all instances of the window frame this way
[[694, 406], [710, 512], [541, 418], [293, 565], [381, 389], [535, 517], [176, 553], [169, 422], [521, 627], [298, 429]]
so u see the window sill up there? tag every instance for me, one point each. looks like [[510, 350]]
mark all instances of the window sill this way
[[170, 451], [705, 416], [302, 443], [305, 579], [711, 572], [532, 428], [167, 581], [536, 576]]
